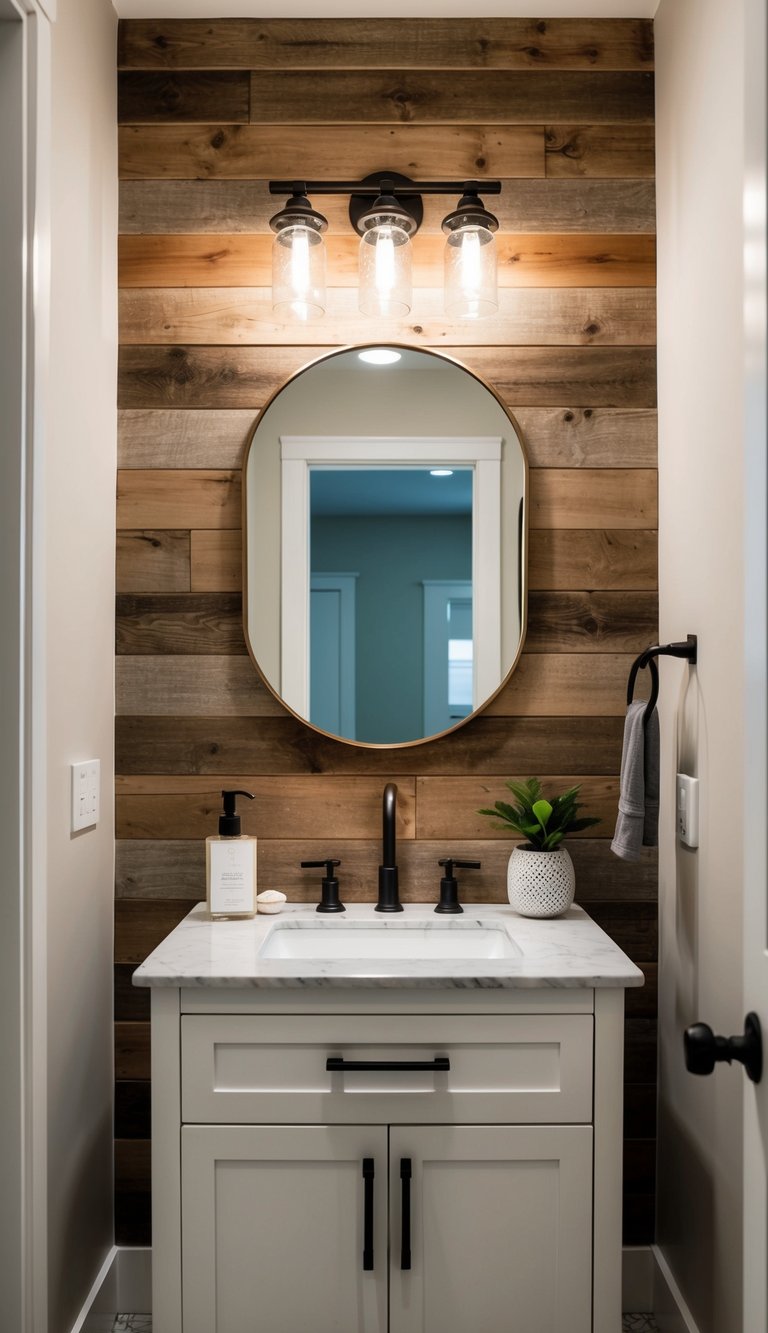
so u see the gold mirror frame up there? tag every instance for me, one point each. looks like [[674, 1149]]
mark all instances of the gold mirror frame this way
[[523, 545]]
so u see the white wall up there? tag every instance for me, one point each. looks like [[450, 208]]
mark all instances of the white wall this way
[[80, 524], [700, 136]]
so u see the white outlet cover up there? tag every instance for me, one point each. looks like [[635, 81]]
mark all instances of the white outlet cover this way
[[86, 783]]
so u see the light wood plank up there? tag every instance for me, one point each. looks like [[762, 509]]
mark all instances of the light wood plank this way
[[178, 439], [570, 260], [178, 499], [216, 561], [593, 498], [588, 437], [245, 377], [284, 806], [448, 807], [591, 622], [146, 98], [527, 316], [572, 558], [528, 206], [193, 685], [153, 562], [192, 623], [375, 43], [250, 152], [454, 97], [600, 150], [565, 685]]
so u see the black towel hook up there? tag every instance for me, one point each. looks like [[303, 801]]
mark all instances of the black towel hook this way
[[688, 650]]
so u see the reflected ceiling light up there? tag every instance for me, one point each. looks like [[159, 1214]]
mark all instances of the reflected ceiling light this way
[[379, 356], [441, 472], [386, 210]]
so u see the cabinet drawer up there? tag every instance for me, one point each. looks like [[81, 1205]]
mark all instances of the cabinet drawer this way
[[507, 1069]]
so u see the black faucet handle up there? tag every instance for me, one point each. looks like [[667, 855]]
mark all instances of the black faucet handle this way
[[449, 904], [329, 901], [449, 862], [321, 865]]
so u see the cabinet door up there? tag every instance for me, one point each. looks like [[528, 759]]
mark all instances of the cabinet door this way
[[500, 1229], [274, 1229]]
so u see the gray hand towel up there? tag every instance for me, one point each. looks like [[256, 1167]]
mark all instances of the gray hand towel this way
[[638, 819]]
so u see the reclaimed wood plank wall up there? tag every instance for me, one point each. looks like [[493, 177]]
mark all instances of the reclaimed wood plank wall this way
[[562, 110]]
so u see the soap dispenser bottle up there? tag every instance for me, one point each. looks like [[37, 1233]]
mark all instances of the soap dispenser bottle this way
[[230, 865]]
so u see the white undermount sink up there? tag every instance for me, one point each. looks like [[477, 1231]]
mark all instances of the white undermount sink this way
[[318, 942]]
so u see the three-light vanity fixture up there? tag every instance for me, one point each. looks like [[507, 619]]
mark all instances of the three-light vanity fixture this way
[[385, 210]]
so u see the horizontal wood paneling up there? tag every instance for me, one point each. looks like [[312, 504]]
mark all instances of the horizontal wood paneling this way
[[573, 558], [177, 499], [249, 152], [157, 561], [599, 150], [149, 438], [132, 1048], [448, 807], [195, 623], [565, 685], [596, 498], [196, 97], [541, 260], [448, 43], [591, 622], [245, 376], [223, 206], [216, 560]]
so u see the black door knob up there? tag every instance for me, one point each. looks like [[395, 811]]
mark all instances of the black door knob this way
[[703, 1050]]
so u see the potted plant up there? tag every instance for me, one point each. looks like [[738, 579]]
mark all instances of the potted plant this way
[[540, 877]]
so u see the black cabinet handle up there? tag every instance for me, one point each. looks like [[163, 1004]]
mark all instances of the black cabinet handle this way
[[367, 1214], [405, 1226], [336, 1064]]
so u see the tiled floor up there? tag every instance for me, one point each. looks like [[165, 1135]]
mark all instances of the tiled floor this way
[[142, 1323]]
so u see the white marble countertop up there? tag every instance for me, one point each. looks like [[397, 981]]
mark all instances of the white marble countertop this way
[[568, 951]]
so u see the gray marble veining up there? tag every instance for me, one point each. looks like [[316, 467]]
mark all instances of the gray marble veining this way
[[569, 951]]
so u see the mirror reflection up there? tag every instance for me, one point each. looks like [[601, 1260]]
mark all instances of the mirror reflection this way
[[384, 544]]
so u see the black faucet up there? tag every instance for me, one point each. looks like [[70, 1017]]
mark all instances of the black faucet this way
[[389, 898]]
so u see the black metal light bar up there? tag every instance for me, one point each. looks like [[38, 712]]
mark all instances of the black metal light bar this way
[[372, 189]]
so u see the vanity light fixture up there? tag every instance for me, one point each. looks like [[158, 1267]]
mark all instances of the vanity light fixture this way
[[385, 210]]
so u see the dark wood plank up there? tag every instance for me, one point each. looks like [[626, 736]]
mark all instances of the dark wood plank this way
[[153, 561], [223, 207], [642, 1001], [640, 1110], [140, 927], [158, 869], [132, 1003], [242, 377], [565, 685], [375, 43], [564, 559], [640, 1047], [634, 928], [454, 97], [586, 622], [148, 98], [449, 807], [184, 623], [133, 1118], [132, 1050], [600, 150], [272, 745], [192, 685], [252, 152]]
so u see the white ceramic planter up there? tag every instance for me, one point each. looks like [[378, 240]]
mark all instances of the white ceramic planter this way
[[540, 883]]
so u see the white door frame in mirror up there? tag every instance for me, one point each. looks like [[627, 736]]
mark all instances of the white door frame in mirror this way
[[300, 452]]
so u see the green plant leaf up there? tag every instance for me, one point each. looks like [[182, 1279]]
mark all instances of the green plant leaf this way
[[543, 810], [551, 842]]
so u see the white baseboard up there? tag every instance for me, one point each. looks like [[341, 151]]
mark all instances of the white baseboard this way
[[672, 1313]]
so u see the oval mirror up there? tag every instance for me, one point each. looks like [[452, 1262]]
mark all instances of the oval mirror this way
[[384, 544]]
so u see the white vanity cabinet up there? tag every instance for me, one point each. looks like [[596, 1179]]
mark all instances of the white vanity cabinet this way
[[481, 1197]]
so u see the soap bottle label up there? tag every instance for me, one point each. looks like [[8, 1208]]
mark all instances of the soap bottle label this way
[[233, 877]]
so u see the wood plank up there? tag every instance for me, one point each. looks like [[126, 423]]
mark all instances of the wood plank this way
[[147, 98], [216, 561], [132, 1003], [437, 97], [639, 1105], [222, 206], [571, 558], [284, 746], [539, 260], [600, 150], [140, 927], [194, 686], [252, 152], [245, 377], [593, 498], [448, 808], [587, 437], [533, 316], [591, 622], [448, 43], [641, 1049], [178, 499], [158, 869], [153, 561], [565, 685], [131, 1050], [642, 1002], [179, 439], [634, 927], [133, 1118], [351, 806], [181, 623]]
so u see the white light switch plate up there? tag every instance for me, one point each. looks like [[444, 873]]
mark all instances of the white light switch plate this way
[[688, 810], [86, 779]]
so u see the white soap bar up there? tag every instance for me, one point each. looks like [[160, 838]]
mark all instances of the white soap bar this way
[[271, 900]]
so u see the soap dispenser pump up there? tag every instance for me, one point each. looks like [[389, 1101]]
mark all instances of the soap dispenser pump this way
[[230, 864]]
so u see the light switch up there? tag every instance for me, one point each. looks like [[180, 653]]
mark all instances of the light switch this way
[[86, 779], [688, 810]]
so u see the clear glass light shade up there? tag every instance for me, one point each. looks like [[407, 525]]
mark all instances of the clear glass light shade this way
[[298, 273], [470, 273], [385, 287]]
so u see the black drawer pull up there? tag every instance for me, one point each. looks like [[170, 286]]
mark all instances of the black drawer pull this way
[[368, 1214], [336, 1064], [405, 1226]]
